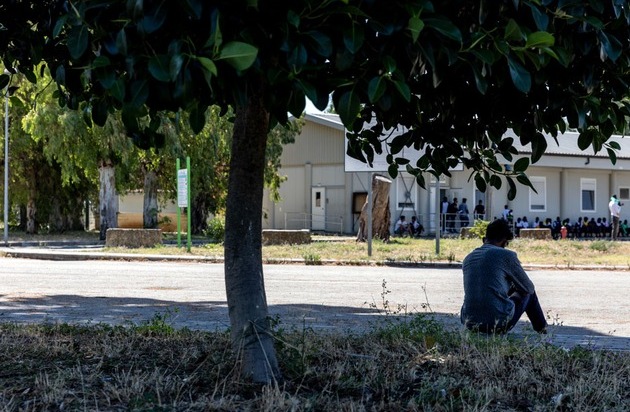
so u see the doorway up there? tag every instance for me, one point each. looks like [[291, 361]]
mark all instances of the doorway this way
[[318, 208]]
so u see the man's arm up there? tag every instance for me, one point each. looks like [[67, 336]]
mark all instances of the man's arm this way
[[518, 276]]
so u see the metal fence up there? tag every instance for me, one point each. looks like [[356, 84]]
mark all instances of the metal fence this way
[[302, 220]]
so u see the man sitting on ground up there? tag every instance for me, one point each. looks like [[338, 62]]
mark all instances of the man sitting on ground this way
[[497, 291]]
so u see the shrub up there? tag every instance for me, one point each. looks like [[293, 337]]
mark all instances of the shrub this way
[[216, 230], [478, 230]]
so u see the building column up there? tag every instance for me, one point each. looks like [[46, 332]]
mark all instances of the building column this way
[[308, 183], [612, 184], [564, 195]]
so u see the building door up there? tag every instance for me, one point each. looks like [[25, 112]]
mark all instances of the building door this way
[[318, 208]]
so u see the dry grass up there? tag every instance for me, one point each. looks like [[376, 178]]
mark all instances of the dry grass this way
[[402, 365], [565, 253]]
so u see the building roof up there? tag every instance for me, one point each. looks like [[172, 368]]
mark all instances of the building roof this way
[[567, 142]]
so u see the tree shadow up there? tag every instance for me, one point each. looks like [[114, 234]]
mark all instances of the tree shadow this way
[[213, 316]]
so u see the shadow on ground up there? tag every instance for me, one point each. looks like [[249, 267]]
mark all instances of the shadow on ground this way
[[213, 315]]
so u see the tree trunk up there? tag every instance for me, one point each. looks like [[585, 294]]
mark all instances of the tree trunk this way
[[150, 207], [381, 216], [199, 214], [31, 212], [56, 220], [108, 199], [247, 303]]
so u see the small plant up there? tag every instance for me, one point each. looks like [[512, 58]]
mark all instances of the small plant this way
[[312, 259], [216, 230], [478, 230], [601, 245], [451, 257], [159, 324]]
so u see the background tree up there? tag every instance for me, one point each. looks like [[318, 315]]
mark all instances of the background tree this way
[[455, 73]]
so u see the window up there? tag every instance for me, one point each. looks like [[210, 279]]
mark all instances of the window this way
[[538, 198], [624, 193], [588, 188], [406, 191]]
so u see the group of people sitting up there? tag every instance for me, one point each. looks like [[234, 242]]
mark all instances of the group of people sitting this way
[[405, 228], [581, 228]]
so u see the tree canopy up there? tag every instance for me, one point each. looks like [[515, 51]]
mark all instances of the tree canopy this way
[[456, 74]]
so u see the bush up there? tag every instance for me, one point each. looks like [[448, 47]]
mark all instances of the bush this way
[[216, 230], [478, 230]]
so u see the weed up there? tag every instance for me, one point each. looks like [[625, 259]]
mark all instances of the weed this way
[[312, 259], [159, 324], [602, 245]]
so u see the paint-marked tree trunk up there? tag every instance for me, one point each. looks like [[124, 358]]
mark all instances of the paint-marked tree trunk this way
[[108, 198], [31, 211], [150, 206], [244, 281], [381, 216]]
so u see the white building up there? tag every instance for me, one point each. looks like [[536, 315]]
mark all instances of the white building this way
[[319, 194]]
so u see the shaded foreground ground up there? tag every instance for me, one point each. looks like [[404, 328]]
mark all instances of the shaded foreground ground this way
[[414, 365]]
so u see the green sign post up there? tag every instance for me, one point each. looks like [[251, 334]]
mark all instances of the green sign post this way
[[183, 200]]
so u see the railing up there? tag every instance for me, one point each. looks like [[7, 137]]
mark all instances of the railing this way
[[450, 222], [305, 220]]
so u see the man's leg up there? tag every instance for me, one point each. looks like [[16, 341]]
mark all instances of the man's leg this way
[[528, 304]]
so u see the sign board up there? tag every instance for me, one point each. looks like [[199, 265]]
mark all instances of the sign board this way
[[182, 188]]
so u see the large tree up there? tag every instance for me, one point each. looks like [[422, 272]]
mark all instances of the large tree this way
[[456, 73]]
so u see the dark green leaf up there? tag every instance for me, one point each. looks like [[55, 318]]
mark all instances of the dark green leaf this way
[[541, 19], [376, 88], [612, 155], [584, 140], [101, 61], [4, 80], [520, 76], [524, 180], [175, 66], [139, 93], [159, 68], [208, 65], [539, 146], [403, 89], [512, 190], [495, 181], [614, 145], [118, 91], [393, 170], [353, 38], [238, 55], [321, 43], [521, 164], [513, 31], [480, 183], [349, 107], [99, 112], [540, 39], [59, 25], [130, 119], [445, 27], [197, 118], [121, 42], [415, 26], [610, 45], [77, 41]]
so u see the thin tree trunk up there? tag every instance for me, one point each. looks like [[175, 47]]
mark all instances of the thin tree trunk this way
[[247, 303], [199, 215], [150, 207], [108, 199], [31, 211]]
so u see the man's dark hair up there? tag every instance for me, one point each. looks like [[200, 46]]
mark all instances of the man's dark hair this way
[[498, 230]]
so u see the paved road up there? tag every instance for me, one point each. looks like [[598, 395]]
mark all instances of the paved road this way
[[585, 303]]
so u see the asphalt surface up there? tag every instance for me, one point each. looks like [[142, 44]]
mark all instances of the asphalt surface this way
[[587, 307]]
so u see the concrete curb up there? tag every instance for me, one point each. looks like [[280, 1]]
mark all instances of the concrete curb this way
[[61, 255]]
